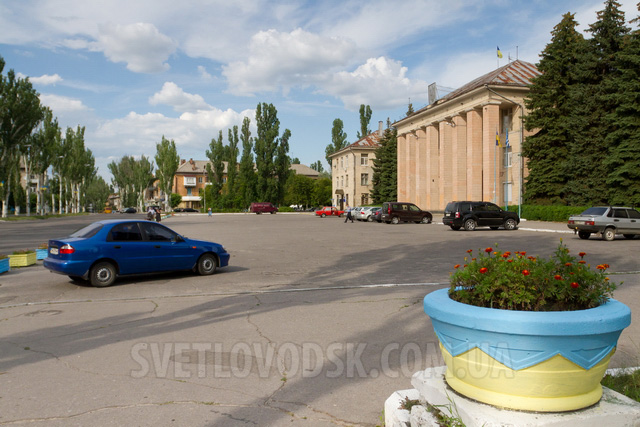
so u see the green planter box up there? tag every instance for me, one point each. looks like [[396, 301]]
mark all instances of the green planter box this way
[[22, 260], [4, 265]]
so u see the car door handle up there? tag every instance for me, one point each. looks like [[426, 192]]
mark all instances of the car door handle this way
[[117, 247], [157, 246], [616, 220]]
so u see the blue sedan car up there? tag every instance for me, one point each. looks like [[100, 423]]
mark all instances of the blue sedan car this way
[[106, 249]]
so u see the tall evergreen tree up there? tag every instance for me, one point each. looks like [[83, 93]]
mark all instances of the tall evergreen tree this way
[[550, 106], [385, 168], [215, 170], [272, 154], [338, 140], [167, 163], [623, 91], [365, 118], [247, 175], [589, 149], [232, 166]]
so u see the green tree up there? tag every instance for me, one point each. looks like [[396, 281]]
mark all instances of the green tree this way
[[410, 109], [322, 192], [549, 104], [623, 92], [317, 166], [215, 171], [300, 190], [338, 140], [20, 113], [233, 195], [272, 155], [591, 105], [45, 144], [97, 193], [365, 118], [247, 174], [167, 163], [142, 179], [385, 168]]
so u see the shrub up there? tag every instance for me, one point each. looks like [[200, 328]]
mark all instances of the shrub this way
[[547, 213], [515, 281], [23, 251]]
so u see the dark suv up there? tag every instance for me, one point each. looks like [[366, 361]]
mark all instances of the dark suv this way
[[394, 212], [478, 214]]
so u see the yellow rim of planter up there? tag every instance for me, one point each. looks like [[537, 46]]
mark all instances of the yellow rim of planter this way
[[555, 385]]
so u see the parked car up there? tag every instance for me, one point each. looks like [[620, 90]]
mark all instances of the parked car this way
[[607, 221], [395, 212], [471, 215], [376, 215], [262, 207], [104, 250], [129, 210], [329, 211], [364, 213], [190, 210]]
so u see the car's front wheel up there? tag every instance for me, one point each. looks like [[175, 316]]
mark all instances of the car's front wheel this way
[[609, 234], [584, 235], [207, 265], [470, 224], [102, 274], [510, 224], [323, 216]]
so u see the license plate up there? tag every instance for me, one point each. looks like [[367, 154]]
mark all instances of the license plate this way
[[579, 222], [53, 251]]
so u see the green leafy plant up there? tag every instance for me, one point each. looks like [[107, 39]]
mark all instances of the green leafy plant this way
[[3, 256], [43, 246], [515, 281], [23, 252]]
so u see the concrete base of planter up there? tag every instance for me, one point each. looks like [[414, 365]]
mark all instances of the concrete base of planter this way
[[22, 260], [613, 410]]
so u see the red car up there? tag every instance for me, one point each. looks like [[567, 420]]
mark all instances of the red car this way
[[329, 211]]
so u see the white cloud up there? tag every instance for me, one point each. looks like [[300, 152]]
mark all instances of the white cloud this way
[[380, 82], [63, 104], [140, 45], [181, 101], [46, 79], [283, 60], [203, 73]]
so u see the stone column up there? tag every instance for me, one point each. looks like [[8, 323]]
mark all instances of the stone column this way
[[490, 172], [412, 141], [474, 155], [402, 167], [446, 165], [459, 167], [422, 181], [433, 165]]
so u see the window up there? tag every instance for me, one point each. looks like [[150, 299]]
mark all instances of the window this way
[[508, 155], [347, 179], [189, 192], [364, 179], [342, 181], [158, 233], [364, 160], [189, 181], [633, 213], [346, 162], [342, 162], [364, 199], [200, 179], [127, 232]]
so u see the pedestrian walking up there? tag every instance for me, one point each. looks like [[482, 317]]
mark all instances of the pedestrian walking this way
[[158, 216], [209, 212], [349, 217]]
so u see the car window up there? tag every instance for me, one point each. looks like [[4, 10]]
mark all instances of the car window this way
[[594, 211], [88, 231], [414, 208], [620, 213], [633, 213], [465, 207], [158, 233], [492, 207], [125, 232]]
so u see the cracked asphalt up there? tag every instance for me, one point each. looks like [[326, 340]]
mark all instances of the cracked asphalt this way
[[315, 323]]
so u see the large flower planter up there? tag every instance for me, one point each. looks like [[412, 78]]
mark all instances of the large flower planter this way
[[4, 265], [535, 361], [41, 253], [22, 260]]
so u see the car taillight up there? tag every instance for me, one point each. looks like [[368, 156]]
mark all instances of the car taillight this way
[[389, 210], [457, 214], [67, 249], [571, 221], [589, 223]]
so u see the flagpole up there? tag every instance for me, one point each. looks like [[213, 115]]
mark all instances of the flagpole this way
[[495, 169]]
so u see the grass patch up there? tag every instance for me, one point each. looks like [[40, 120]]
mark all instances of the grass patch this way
[[624, 383], [32, 217]]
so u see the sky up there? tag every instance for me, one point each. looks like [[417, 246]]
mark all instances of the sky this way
[[133, 71]]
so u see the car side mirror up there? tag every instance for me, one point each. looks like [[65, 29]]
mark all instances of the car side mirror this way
[[179, 239]]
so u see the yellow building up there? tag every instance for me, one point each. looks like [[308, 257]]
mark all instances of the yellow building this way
[[467, 145], [352, 171]]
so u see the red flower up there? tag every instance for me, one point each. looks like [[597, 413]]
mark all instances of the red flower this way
[[505, 255], [509, 260], [526, 272], [483, 270], [582, 254], [557, 277], [523, 253], [574, 285], [456, 266], [488, 250], [601, 267], [469, 251], [568, 264], [582, 262]]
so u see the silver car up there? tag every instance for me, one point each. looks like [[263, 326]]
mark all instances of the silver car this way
[[606, 221]]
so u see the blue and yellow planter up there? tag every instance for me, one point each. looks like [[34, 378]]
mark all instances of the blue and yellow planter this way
[[4, 265], [533, 361], [41, 253]]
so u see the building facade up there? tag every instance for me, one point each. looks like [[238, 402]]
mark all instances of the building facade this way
[[352, 171], [467, 145], [190, 180]]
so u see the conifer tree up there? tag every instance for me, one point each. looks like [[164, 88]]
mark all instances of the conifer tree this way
[[247, 175], [385, 168]]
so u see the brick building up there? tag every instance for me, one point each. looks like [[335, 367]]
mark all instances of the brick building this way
[[448, 150], [190, 180]]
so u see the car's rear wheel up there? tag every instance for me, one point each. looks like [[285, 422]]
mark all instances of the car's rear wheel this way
[[455, 227], [584, 235], [323, 215], [629, 236], [470, 224], [395, 220], [102, 274], [426, 219], [510, 224], [609, 234], [369, 219], [207, 265]]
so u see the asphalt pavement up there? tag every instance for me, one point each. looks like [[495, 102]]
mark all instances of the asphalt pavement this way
[[315, 322]]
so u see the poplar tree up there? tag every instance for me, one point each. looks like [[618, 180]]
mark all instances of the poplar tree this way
[[272, 155], [549, 105], [215, 169], [365, 118], [167, 163], [232, 167], [338, 140], [247, 174]]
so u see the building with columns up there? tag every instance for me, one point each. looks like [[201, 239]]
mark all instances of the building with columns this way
[[467, 145]]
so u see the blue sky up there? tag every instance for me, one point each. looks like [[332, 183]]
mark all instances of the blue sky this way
[[132, 71]]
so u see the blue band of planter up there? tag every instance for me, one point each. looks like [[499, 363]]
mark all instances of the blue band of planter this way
[[533, 337]]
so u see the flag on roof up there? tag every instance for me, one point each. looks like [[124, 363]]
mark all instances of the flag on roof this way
[[497, 139], [506, 142], [498, 52]]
